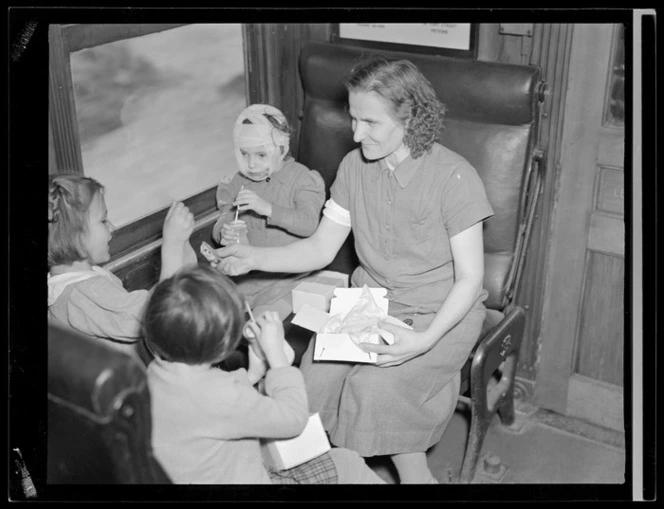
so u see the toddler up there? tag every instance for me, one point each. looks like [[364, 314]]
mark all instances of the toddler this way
[[82, 294], [271, 201], [207, 422]]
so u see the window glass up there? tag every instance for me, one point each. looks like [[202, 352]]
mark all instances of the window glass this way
[[155, 114], [615, 112]]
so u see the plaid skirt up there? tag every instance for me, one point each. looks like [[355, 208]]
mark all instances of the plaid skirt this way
[[319, 470]]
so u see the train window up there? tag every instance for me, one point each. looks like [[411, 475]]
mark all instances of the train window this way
[[615, 108], [153, 109]]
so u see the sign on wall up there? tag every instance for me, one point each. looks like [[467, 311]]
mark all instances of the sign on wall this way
[[452, 38]]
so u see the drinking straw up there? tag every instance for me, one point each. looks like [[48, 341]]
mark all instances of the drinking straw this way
[[251, 315], [237, 209]]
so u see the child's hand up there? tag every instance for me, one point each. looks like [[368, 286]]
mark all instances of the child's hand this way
[[257, 363], [248, 200], [189, 257], [270, 333], [256, 350], [178, 225]]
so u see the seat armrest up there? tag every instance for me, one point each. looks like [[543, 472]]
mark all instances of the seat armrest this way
[[498, 345]]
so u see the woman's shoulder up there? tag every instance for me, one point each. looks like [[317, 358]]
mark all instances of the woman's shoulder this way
[[352, 161], [445, 162], [354, 156], [440, 153]]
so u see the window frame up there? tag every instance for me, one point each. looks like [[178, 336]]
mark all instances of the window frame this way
[[607, 117], [63, 124]]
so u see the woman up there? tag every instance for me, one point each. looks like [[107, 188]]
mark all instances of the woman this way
[[416, 211]]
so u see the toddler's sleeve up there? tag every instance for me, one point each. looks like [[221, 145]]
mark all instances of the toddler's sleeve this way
[[308, 196]]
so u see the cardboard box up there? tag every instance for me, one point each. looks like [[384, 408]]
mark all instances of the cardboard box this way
[[317, 289], [290, 452], [340, 347]]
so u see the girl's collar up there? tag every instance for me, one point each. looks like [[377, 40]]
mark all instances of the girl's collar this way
[[78, 266]]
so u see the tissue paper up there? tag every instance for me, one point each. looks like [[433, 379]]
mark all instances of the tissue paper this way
[[360, 322]]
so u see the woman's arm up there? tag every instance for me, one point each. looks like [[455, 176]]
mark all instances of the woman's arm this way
[[303, 255], [468, 255]]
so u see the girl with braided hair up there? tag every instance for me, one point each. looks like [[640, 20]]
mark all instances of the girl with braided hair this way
[[82, 294]]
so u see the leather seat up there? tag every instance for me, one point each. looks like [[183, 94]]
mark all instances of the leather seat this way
[[99, 420]]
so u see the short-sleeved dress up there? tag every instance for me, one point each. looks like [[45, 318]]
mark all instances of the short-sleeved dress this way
[[96, 303], [297, 195], [402, 221]]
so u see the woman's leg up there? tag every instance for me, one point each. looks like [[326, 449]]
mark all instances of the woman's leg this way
[[324, 382], [413, 468], [352, 469]]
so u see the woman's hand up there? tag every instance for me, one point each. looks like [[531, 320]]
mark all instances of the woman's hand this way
[[236, 259], [407, 345], [249, 200]]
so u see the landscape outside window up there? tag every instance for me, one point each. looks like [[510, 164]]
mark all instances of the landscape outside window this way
[[155, 115]]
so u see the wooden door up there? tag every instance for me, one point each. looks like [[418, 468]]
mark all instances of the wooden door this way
[[581, 359]]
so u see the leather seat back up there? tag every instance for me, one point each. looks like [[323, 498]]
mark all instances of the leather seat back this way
[[99, 421]]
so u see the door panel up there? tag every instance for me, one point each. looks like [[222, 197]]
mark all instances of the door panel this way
[[581, 362], [600, 344]]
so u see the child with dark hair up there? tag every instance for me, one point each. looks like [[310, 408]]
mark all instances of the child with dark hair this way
[[82, 294], [272, 200], [206, 422]]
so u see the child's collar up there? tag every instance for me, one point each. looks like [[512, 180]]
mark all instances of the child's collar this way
[[78, 266], [57, 283]]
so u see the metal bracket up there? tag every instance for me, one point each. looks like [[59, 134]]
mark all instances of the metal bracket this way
[[523, 29], [505, 345]]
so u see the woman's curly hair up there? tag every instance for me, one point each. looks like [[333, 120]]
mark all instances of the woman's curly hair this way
[[413, 101]]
